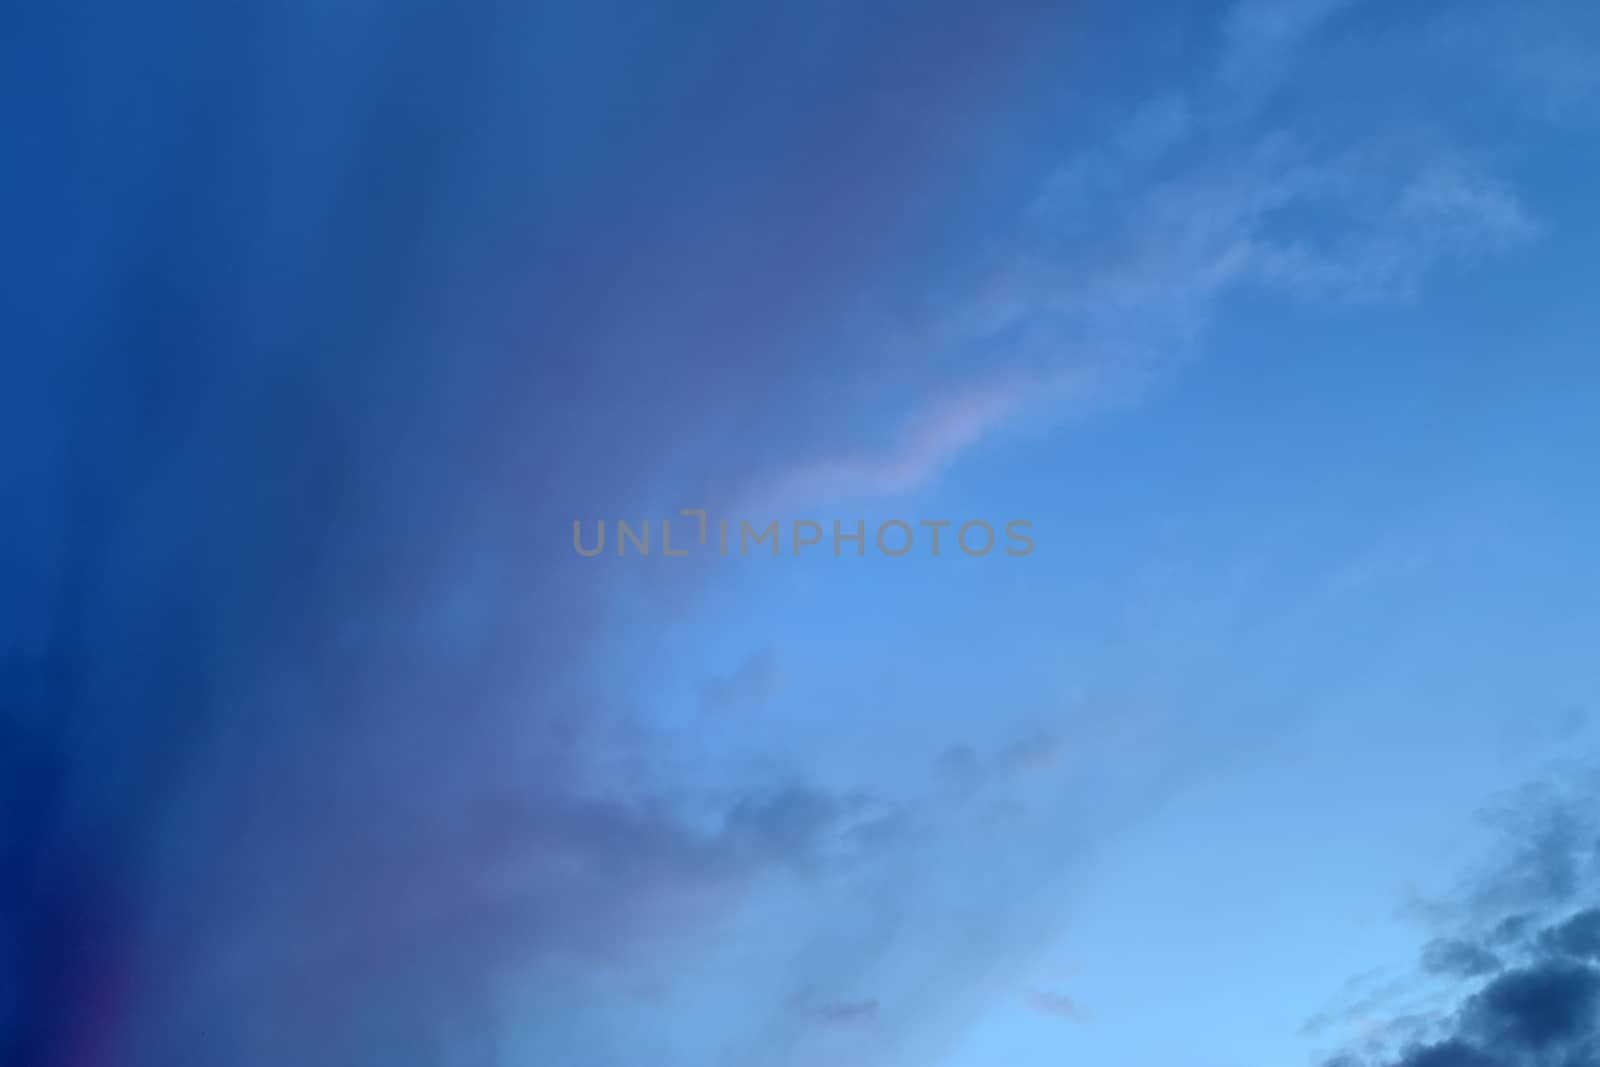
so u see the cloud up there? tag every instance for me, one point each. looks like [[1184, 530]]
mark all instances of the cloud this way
[[1576, 938], [1520, 990], [1542, 54], [1537, 1008], [1039, 753], [803, 827], [924, 447], [845, 1012], [1057, 1005], [1108, 283], [752, 684], [1261, 37], [1457, 958]]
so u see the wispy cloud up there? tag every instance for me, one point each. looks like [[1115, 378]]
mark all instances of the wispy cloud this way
[[1057, 1005], [1262, 36], [1114, 274], [924, 447], [755, 681]]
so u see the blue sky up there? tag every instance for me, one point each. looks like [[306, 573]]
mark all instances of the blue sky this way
[[325, 323]]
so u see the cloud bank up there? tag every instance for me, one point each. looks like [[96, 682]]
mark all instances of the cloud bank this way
[[1516, 981]]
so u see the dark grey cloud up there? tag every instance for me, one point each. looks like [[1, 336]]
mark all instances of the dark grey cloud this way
[[1510, 930], [808, 830], [1550, 834], [1462, 959], [1577, 937], [1525, 986], [1544, 1006]]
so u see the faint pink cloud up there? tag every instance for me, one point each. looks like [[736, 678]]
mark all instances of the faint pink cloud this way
[[928, 443]]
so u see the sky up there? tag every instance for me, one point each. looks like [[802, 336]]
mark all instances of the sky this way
[[1260, 334]]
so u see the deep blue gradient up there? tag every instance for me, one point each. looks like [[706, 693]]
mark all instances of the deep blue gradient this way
[[321, 323]]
